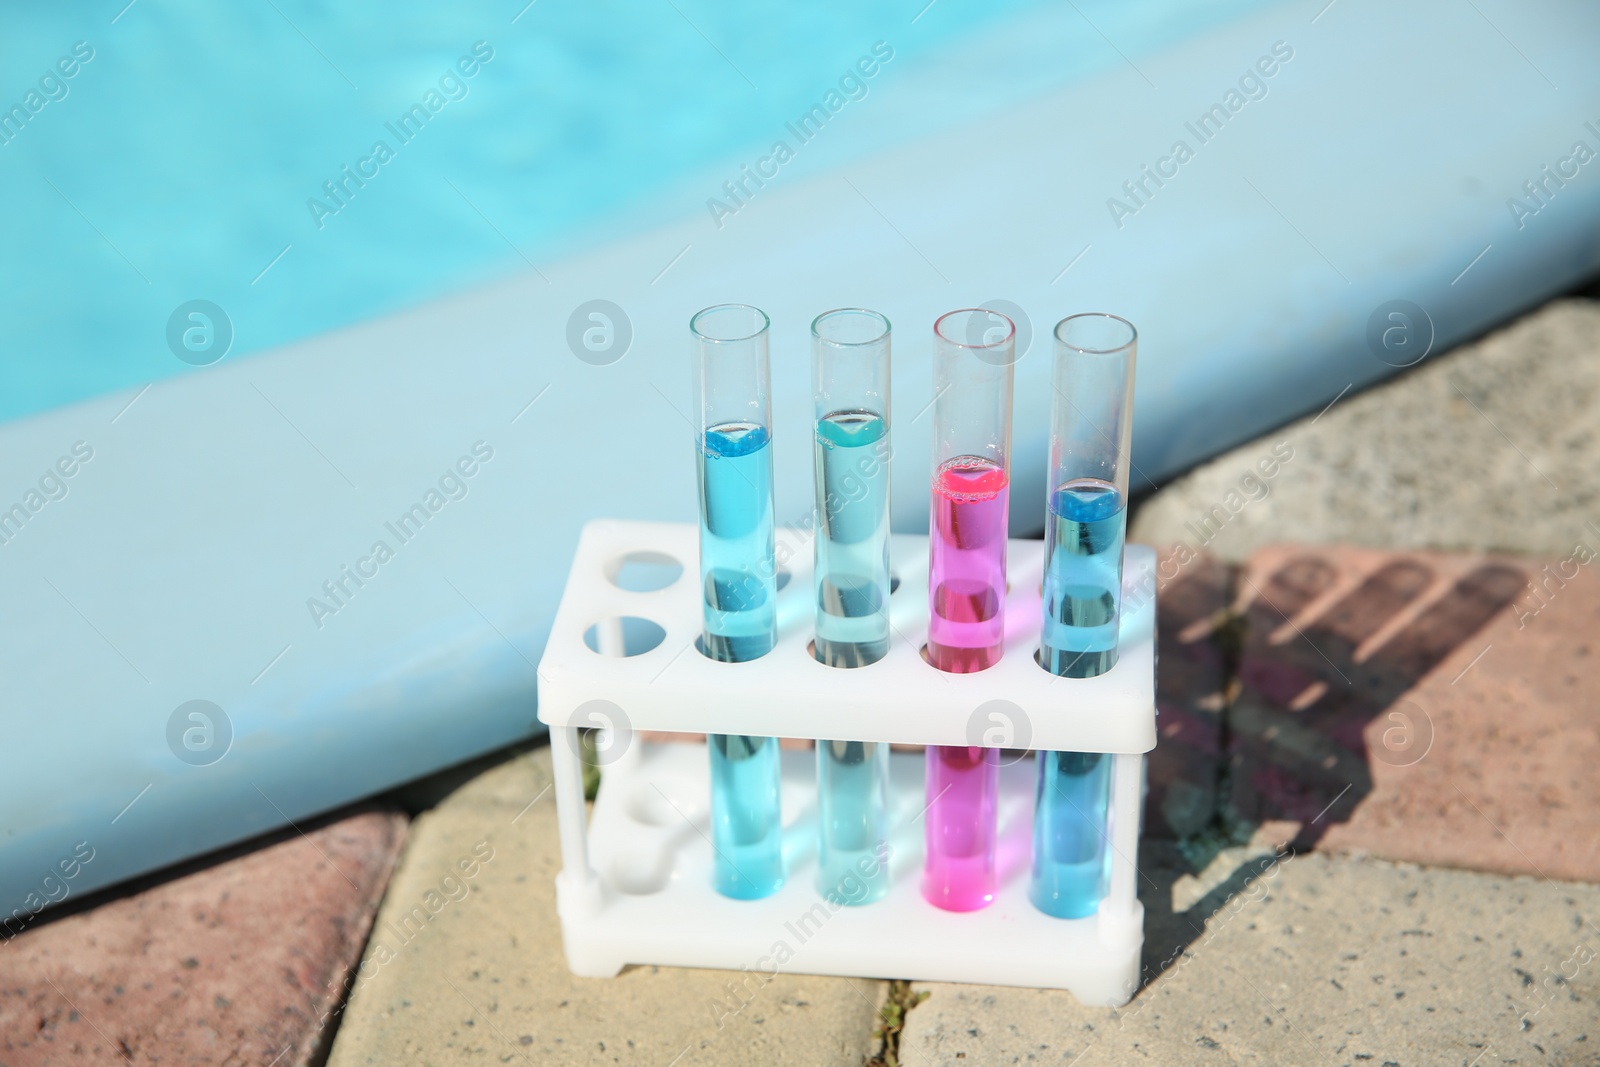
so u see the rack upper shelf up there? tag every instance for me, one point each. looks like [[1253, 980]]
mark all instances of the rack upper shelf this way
[[787, 693]]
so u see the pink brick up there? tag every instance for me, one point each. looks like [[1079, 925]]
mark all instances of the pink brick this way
[[238, 963], [1364, 724]]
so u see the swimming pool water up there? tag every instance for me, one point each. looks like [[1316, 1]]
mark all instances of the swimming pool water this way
[[184, 158]]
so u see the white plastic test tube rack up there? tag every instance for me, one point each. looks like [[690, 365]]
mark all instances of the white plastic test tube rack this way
[[635, 885]]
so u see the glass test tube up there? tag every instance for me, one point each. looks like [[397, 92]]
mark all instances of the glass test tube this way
[[973, 354], [1090, 422], [850, 389], [738, 577]]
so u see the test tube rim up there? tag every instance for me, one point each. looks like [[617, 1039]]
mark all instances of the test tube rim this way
[[1133, 334], [766, 324], [888, 327], [1009, 338]]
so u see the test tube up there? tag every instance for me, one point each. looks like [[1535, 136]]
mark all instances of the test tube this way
[[972, 376], [738, 578], [1086, 520], [850, 391]]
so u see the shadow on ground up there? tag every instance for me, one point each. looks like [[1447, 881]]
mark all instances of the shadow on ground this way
[[1302, 749], [1310, 698]]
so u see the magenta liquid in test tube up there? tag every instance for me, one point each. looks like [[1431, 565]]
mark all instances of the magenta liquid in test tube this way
[[974, 350]]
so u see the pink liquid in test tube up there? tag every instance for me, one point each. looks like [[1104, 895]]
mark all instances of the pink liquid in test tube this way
[[966, 590], [967, 565]]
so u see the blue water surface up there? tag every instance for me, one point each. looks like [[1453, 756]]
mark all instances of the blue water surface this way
[[177, 163]]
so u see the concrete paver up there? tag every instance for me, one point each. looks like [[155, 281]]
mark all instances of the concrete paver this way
[[483, 980], [1491, 446], [1318, 959]]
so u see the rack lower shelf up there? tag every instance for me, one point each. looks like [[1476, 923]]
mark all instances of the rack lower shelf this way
[[654, 902]]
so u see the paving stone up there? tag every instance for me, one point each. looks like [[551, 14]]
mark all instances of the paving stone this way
[[1491, 446], [1315, 959], [470, 970], [1190, 672], [241, 962], [1431, 707]]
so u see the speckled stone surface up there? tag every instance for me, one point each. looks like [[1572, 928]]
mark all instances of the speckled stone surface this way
[[484, 980], [241, 962], [1312, 960], [1490, 446]]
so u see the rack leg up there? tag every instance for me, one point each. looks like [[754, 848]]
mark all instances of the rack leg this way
[[1121, 914], [577, 886]]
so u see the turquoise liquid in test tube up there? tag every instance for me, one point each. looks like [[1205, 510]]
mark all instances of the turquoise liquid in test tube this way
[[850, 388], [974, 350], [738, 578], [1090, 424]]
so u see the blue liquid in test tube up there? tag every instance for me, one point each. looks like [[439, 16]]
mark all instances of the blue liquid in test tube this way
[[1085, 527], [850, 349], [852, 557], [738, 578], [1083, 577], [1069, 833], [736, 542]]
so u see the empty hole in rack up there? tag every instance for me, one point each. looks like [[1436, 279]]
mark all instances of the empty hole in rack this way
[[623, 635], [782, 579], [644, 572], [894, 583]]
